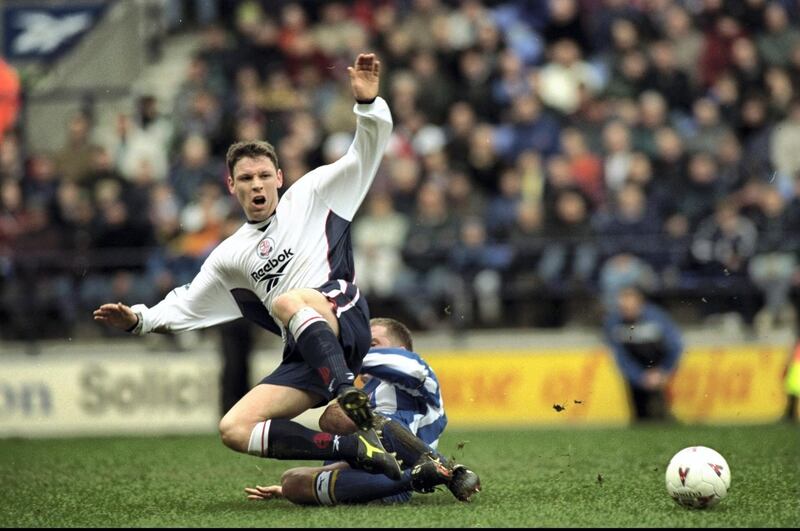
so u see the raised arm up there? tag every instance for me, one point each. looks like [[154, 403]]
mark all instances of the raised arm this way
[[343, 184]]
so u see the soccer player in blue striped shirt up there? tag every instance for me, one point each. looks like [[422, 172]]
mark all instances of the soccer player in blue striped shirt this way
[[405, 396]]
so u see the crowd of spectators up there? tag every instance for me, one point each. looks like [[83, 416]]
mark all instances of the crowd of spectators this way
[[541, 150]]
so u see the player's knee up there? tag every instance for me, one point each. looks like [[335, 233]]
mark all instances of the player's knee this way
[[286, 305], [233, 434]]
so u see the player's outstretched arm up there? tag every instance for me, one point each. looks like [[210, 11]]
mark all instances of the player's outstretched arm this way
[[365, 77], [344, 183], [117, 315]]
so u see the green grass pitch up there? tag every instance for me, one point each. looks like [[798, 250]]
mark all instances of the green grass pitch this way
[[531, 478]]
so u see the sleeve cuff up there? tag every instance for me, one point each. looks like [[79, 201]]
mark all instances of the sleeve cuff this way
[[139, 328]]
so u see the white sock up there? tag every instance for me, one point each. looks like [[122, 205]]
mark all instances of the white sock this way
[[304, 318], [258, 439]]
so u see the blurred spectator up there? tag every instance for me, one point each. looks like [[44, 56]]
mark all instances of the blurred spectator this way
[[746, 65], [773, 266], [585, 166], [631, 227], [74, 158], [652, 116], [716, 55], [686, 40], [722, 248], [424, 285], [11, 163], [434, 90], [120, 250], [647, 347], [628, 75], [378, 237], [755, 131], [41, 179], [527, 240], [565, 21], [501, 212], [668, 78], [780, 37], [621, 271], [511, 80], [464, 200], [195, 168], [566, 81], [617, 144], [475, 88], [784, 153], [146, 136], [781, 93], [701, 190], [460, 123], [709, 129], [530, 126], [570, 256], [482, 162], [38, 289], [477, 265]]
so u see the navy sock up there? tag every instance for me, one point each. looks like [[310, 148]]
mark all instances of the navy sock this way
[[289, 440], [321, 349], [358, 486]]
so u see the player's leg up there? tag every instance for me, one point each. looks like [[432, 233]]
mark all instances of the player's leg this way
[[307, 314], [336, 350], [259, 425], [263, 402], [409, 450], [338, 483]]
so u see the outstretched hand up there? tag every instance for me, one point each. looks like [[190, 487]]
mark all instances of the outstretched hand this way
[[117, 315], [264, 493], [364, 77]]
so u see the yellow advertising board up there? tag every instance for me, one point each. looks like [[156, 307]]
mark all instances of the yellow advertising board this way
[[584, 386], [730, 384]]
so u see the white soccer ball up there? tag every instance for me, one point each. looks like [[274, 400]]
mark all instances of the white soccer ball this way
[[698, 477]]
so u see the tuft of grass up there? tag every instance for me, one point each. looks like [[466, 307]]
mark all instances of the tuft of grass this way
[[531, 478]]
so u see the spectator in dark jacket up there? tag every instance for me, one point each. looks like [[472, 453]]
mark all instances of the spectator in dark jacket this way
[[647, 347]]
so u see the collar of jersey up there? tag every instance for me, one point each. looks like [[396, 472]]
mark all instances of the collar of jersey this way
[[261, 225]]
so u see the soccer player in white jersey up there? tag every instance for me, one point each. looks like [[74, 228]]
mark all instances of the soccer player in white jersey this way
[[408, 404], [289, 268]]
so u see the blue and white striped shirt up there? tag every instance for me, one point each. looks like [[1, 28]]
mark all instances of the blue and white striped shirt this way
[[403, 387]]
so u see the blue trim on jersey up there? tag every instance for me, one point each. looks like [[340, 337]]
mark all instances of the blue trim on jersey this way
[[431, 432], [414, 383], [406, 383], [340, 248], [254, 310]]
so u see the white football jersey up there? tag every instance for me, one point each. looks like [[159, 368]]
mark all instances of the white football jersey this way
[[304, 244]]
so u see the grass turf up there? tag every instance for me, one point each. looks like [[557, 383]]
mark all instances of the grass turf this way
[[531, 478]]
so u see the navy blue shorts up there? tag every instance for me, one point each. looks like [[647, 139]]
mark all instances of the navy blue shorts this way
[[354, 336]]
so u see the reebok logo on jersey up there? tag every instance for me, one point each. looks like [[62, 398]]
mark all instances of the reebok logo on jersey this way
[[266, 272]]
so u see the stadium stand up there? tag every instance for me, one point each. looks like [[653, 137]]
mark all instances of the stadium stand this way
[[544, 155]]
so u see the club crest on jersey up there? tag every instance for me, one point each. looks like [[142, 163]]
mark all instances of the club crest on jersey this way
[[265, 247]]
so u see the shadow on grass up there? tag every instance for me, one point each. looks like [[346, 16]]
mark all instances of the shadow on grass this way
[[246, 506]]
